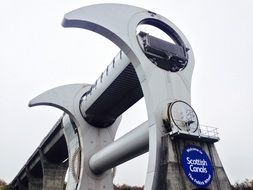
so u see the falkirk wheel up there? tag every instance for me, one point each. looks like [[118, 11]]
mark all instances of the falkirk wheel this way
[[181, 155]]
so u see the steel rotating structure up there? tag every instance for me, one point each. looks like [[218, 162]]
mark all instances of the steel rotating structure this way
[[147, 67]]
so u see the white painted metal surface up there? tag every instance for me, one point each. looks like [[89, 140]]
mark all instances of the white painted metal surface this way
[[118, 23]]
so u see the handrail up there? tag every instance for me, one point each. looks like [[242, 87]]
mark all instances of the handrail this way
[[209, 131]]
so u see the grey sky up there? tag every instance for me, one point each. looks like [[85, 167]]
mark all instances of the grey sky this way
[[37, 54]]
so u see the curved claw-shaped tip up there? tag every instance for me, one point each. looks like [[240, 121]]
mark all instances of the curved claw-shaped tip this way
[[61, 97]]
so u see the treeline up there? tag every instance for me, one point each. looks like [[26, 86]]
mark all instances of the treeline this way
[[127, 187], [3, 185], [244, 185]]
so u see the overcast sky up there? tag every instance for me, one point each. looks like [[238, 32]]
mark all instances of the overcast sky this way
[[37, 54]]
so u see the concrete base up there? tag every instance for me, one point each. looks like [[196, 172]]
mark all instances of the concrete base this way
[[172, 174]]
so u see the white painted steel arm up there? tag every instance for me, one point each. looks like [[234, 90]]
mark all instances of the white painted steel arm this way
[[118, 23], [129, 146]]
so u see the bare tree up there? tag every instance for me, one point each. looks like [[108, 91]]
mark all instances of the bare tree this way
[[127, 187], [2, 183], [245, 185]]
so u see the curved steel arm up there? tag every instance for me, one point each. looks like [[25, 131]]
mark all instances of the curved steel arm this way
[[118, 23]]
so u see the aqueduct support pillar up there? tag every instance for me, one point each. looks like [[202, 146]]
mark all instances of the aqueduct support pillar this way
[[53, 174], [21, 186], [35, 183]]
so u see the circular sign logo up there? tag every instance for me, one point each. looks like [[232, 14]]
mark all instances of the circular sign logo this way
[[197, 166]]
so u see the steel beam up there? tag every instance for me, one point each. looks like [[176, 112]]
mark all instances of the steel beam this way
[[129, 146]]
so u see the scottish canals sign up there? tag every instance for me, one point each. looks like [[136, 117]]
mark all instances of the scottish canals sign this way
[[197, 166]]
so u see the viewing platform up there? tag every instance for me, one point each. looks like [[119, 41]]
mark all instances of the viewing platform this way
[[205, 134]]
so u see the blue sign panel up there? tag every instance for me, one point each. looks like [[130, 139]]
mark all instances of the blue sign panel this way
[[197, 166]]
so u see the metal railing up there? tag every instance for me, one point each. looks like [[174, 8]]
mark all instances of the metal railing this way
[[103, 75], [203, 131], [209, 131]]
